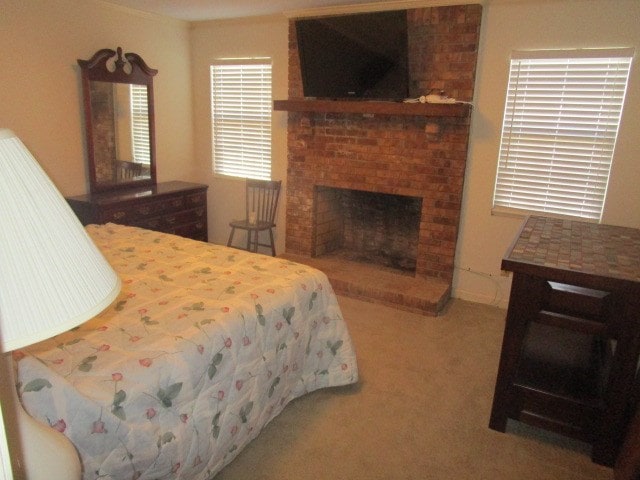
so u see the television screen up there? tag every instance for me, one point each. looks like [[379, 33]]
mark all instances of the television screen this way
[[354, 56]]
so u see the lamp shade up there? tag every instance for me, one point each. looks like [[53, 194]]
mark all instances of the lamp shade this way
[[52, 276]]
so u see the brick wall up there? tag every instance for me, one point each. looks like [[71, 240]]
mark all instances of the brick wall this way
[[414, 156]]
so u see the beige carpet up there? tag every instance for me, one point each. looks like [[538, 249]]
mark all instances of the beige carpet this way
[[420, 410]]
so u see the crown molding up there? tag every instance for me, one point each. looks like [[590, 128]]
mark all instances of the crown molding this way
[[375, 7], [139, 13]]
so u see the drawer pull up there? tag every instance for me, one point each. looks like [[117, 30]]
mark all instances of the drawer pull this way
[[119, 215], [170, 220], [144, 210]]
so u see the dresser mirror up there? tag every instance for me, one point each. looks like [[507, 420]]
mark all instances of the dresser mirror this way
[[119, 120]]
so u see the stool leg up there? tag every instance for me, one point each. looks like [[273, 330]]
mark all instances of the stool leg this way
[[525, 300]]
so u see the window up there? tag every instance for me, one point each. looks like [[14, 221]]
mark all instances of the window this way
[[140, 124], [559, 130], [241, 118]]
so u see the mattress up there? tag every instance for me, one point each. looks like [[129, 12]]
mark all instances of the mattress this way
[[202, 348]]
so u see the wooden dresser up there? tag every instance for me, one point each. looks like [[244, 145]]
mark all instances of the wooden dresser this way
[[572, 335], [171, 207]]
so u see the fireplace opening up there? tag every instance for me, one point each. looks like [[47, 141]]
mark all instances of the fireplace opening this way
[[369, 227]]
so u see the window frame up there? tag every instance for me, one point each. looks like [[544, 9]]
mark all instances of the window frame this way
[[524, 149], [244, 149]]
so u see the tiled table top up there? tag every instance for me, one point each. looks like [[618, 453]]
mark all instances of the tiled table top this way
[[589, 248]]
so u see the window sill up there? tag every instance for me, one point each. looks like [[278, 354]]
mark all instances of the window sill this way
[[521, 214]]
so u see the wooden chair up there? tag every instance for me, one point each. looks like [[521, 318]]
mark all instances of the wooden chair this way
[[129, 170], [261, 205]]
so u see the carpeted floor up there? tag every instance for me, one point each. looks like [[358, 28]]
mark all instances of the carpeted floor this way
[[420, 410]]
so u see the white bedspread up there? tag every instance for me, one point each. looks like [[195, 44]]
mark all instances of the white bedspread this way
[[203, 347]]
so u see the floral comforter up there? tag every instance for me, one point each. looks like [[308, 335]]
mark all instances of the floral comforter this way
[[203, 347]]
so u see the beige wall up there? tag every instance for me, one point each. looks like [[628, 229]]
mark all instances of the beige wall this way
[[507, 25], [40, 98], [538, 24], [242, 38]]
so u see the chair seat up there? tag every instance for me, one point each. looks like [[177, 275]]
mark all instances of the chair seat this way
[[245, 225]]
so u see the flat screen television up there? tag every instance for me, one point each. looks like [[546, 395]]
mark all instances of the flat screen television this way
[[358, 56]]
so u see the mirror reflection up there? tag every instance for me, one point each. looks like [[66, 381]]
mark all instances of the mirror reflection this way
[[117, 95], [120, 119]]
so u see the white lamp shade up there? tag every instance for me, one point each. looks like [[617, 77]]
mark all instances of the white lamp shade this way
[[52, 276]]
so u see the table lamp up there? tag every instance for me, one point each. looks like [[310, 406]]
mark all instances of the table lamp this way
[[52, 278]]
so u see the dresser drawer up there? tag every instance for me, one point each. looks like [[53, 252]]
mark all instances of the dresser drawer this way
[[120, 214], [197, 199], [156, 207], [150, 224], [578, 301], [174, 219], [580, 309], [195, 230], [150, 209], [172, 207]]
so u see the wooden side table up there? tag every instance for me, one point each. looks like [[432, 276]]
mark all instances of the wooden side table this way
[[572, 335]]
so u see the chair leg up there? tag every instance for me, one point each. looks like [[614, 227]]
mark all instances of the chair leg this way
[[233, 229], [273, 244], [255, 241]]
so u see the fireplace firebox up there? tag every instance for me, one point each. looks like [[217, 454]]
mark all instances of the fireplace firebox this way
[[370, 227]]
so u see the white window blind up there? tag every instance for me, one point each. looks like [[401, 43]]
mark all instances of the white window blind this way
[[559, 130], [140, 124], [241, 118]]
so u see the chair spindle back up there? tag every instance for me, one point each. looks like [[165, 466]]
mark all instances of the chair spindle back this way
[[262, 198]]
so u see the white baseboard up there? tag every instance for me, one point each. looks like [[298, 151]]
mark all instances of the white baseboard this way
[[479, 298]]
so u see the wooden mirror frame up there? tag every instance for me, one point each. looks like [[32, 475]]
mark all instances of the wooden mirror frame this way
[[128, 70]]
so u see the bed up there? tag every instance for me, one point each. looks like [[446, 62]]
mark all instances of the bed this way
[[202, 348]]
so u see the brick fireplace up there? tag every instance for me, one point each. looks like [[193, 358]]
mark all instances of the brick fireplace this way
[[408, 156]]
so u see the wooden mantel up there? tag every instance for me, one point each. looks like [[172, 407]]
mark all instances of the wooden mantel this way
[[373, 107]]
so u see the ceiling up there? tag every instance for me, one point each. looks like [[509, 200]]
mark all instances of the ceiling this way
[[194, 10]]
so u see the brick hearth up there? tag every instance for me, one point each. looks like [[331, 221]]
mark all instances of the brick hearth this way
[[413, 156], [377, 284]]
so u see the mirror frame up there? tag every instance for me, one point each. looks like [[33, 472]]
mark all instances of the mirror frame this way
[[96, 69]]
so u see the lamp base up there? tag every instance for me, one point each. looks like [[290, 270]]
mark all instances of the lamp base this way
[[46, 453], [37, 452]]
